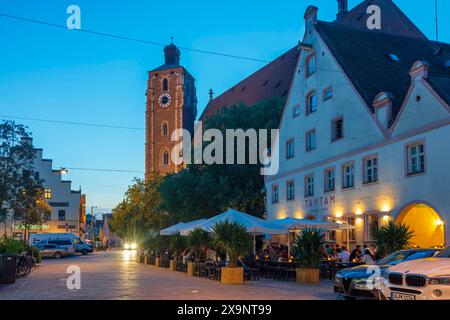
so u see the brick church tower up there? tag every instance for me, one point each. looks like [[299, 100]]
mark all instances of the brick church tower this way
[[171, 104]]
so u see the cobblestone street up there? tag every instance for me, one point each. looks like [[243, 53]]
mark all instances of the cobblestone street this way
[[116, 275]]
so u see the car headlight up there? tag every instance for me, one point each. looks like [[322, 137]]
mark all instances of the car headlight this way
[[441, 280], [133, 246], [126, 246]]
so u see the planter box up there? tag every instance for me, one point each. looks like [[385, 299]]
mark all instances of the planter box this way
[[232, 275], [147, 259], [158, 262], [173, 265], [308, 276], [190, 269]]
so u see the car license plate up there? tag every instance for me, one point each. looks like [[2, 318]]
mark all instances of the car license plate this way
[[402, 296]]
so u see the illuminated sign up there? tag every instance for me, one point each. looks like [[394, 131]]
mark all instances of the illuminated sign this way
[[33, 227]]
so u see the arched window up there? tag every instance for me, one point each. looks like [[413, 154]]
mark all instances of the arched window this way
[[311, 103], [165, 84], [310, 65], [165, 129], [166, 158]]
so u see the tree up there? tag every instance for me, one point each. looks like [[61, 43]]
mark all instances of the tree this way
[[307, 247], [30, 206], [201, 190], [16, 163], [391, 237], [198, 240], [233, 239], [139, 212]]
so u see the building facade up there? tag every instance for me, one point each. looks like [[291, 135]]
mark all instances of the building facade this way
[[171, 105], [67, 205], [364, 134]]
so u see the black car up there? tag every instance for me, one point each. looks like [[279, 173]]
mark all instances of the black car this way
[[360, 281]]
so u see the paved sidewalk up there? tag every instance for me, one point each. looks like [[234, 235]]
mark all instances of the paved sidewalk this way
[[115, 275]]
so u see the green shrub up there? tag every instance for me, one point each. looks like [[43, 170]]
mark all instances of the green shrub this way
[[391, 237], [307, 247], [233, 238], [11, 246], [198, 240]]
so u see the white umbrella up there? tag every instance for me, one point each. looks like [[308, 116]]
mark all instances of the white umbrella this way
[[172, 229], [179, 227]]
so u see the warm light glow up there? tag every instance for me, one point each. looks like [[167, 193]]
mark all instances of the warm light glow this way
[[385, 208], [127, 246], [359, 220], [338, 214], [359, 212], [133, 246], [386, 218], [439, 222], [129, 255]]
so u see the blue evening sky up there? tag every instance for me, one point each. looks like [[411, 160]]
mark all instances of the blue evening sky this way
[[65, 75]]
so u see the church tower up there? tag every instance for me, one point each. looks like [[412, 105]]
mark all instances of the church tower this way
[[171, 105]]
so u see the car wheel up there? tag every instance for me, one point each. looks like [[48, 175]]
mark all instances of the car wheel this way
[[84, 252], [57, 255]]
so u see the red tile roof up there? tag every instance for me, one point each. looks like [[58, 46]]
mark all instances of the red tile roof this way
[[272, 80]]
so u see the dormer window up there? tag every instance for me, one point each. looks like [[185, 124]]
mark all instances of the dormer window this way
[[394, 57], [310, 65]]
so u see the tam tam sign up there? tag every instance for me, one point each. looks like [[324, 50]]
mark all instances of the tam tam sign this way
[[320, 204], [33, 227]]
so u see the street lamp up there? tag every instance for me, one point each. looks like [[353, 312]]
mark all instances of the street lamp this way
[[92, 223]]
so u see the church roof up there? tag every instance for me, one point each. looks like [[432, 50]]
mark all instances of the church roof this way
[[365, 57], [272, 80], [393, 20]]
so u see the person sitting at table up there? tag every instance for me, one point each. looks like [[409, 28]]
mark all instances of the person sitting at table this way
[[356, 253], [211, 254], [324, 251], [330, 249], [283, 254], [344, 255], [367, 258]]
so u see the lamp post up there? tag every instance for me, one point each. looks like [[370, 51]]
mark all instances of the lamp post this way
[[92, 223]]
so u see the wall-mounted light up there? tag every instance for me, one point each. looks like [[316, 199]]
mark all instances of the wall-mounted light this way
[[359, 212], [439, 223], [385, 208]]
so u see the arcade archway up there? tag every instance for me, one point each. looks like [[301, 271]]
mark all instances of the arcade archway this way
[[426, 223]]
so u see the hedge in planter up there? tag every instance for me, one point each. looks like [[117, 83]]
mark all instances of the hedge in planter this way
[[232, 238], [307, 250]]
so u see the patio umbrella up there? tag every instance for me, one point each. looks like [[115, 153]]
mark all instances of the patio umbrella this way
[[172, 229], [254, 225], [179, 227]]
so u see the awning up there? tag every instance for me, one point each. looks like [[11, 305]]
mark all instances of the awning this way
[[253, 224], [179, 227]]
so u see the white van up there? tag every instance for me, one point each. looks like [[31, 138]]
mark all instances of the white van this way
[[79, 245]]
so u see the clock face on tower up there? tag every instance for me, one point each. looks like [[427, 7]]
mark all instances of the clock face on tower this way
[[164, 100]]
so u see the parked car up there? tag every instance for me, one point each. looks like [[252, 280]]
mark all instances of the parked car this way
[[52, 251], [424, 279], [80, 245], [361, 282], [64, 243]]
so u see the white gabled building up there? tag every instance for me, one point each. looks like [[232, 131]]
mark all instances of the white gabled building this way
[[67, 206], [365, 133]]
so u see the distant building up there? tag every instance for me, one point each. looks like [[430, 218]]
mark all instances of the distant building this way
[[67, 205], [107, 236]]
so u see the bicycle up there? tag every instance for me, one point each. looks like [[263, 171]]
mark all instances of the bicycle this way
[[25, 263]]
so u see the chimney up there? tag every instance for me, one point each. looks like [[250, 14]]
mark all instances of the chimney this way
[[342, 9]]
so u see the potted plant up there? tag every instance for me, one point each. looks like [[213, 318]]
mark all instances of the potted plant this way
[[391, 237], [159, 248], [198, 241], [307, 250], [232, 238], [177, 244]]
